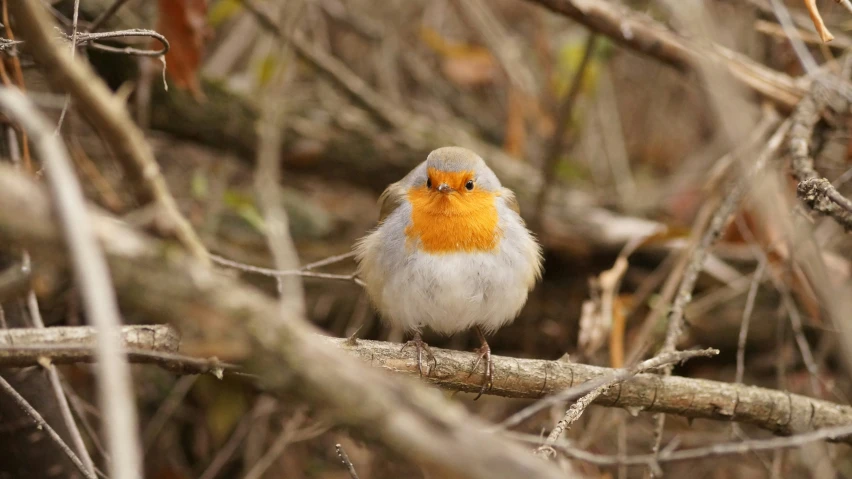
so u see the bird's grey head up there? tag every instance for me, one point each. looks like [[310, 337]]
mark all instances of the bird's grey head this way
[[455, 159]]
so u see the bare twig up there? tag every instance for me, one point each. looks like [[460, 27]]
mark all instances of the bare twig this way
[[74, 19], [108, 113], [818, 193], [304, 271], [716, 450], [344, 458], [92, 275], [56, 384], [719, 220], [744, 325], [89, 39], [42, 424], [290, 434]]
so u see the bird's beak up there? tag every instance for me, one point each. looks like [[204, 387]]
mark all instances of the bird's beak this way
[[444, 188]]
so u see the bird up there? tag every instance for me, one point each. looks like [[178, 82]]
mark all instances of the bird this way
[[451, 253]]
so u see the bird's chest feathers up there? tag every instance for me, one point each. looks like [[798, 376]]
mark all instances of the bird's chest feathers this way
[[451, 223]]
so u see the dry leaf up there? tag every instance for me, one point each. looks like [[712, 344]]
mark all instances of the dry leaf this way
[[463, 64], [184, 24]]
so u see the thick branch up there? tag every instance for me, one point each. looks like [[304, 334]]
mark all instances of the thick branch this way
[[777, 411]]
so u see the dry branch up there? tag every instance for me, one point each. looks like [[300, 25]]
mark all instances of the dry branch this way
[[817, 192], [151, 344], [776, 411], [167, 285], [649, 37], [153, 337]]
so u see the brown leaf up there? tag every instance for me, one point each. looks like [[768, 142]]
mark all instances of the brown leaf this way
[[463, 64], [184, 24]]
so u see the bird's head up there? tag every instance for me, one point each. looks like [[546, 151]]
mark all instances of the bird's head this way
[[453, 196]]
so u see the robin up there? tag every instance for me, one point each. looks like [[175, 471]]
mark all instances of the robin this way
[[450, 252]]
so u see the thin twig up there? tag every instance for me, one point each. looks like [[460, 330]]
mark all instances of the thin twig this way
[[714, 229], [715, 450], [344, 458], [89, 39], [304, 271], [747, 311], [74, 18], [290, 434], [42, 424], [56, 385], [93, 278]]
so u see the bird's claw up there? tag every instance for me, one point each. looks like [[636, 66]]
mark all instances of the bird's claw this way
[[421, 346], [488, 381]]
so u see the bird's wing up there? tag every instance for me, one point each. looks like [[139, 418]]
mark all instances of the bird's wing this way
[[511, 200], [390, 200]]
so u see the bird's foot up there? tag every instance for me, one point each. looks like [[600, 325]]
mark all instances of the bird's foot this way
[[484, 355], [421, 347]]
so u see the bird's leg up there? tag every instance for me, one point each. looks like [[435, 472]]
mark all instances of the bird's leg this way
[[421, 346], [484, 353]]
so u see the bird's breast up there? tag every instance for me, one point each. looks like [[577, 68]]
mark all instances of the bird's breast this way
[[451, 223]]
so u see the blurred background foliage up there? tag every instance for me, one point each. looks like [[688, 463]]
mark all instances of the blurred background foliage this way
[[640, 140]]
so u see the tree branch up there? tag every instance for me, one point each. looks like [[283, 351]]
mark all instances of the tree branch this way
[[816, 192]]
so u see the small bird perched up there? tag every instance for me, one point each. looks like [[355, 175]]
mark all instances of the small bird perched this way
[[450, 252]]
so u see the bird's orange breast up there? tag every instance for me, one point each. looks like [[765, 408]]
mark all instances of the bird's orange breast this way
[[454, 222]]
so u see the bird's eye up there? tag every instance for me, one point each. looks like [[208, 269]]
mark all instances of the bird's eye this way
[[469, 185], [428, 182]]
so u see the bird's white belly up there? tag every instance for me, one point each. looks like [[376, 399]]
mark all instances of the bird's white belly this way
[[454, 292]]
